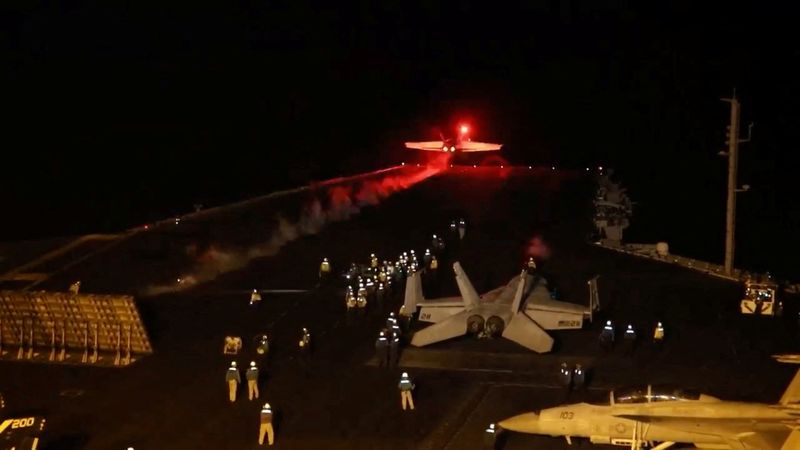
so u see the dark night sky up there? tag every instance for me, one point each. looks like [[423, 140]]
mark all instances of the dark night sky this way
[[117, 112]]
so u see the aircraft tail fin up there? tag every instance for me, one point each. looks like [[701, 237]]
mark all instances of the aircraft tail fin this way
[[527, 333], [520, 292], [453, 326], [792, 394], [594, 297], [468, 293], [413, 294]]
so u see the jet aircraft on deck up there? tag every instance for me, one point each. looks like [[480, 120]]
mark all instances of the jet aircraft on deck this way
[[661, 417], [519, 311]]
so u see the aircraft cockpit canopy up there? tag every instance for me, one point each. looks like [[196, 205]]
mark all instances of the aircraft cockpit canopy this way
[[651, 394]]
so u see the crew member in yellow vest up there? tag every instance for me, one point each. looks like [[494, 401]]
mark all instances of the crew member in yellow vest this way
[[252, 381], [233, 379], [658, 335], [324, 269], [266, 426]]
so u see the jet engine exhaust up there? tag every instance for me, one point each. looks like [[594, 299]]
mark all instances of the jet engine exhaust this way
[[475, 324], [495, 326]]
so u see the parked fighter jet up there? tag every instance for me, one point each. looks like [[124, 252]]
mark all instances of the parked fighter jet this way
[[462, 143], [20, 433], [662, 417], [519, 311]]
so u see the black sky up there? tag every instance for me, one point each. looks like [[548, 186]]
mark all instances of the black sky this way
[[121, 111]]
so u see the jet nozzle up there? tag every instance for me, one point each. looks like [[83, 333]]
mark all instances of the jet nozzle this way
[[523, 423]]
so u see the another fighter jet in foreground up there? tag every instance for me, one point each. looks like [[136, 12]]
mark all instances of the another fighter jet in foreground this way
[[519, 311], [662, 417]]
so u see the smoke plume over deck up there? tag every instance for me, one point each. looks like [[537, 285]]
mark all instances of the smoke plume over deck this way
[[328, 202]]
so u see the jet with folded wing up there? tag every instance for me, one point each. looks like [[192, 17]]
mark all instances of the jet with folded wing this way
[[521, 311], [461, 143], [662, 417]]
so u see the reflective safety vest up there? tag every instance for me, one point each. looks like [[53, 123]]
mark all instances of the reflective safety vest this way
[[434, 263], [630, 334], [350, 300], [255, 297], [266, 415], [233, 375], [252, 374], [659, 333], [382, 276], [373, 263], [405, 384], [325, 267], [361, 301]]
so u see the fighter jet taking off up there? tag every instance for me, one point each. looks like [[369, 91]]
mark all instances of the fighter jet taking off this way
[[519, 311], [662, 417], [462, 143]]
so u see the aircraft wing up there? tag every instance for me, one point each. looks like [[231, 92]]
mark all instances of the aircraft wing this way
[[558, 306], [525, 332], [764, 441], [453, 326], [793, 441], [426, 145], [474, 146], [792, 394]]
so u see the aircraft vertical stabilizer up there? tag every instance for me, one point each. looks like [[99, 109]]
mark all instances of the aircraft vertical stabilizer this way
[[413, 294], [520, 292], [594, 297], [525, 332], [468, 293]]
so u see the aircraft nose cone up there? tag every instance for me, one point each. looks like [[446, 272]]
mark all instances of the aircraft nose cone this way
[[523, 423]]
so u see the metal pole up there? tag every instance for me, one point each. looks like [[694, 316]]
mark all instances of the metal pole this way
[[733, 164]]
